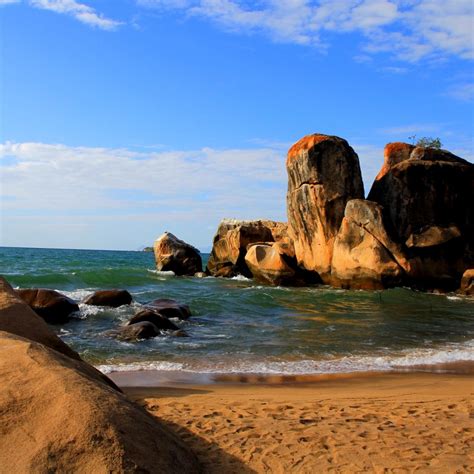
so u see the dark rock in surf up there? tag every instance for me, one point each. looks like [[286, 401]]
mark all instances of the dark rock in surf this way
[[153, 317], [52, 306], [169, 308], [111, 298], [136, 331]]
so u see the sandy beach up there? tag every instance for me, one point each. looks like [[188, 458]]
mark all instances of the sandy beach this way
[[420, 422]]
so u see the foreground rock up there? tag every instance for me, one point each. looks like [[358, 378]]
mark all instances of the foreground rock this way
[[160, 322], [467, 283], [364, 255], [232, 239], [323, 175], [59, 414], [110, 298], [172, 254], [268, 265], [51, 305], [169, 308], [427, 196]]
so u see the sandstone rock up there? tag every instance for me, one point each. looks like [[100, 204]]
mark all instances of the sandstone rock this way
[[172, 254], [58, 416], [364, 255], [136, 331], [232, 239], [51, 305], [467, 282], [111, 298], [169, 308], [268, 265], [323, 174], [428, 197], [153, 317], [18, 318]]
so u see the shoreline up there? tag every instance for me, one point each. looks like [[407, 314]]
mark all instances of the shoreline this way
[[386, 422], [156, 378]]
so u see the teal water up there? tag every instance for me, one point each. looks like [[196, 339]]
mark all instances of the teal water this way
[[239, 326]]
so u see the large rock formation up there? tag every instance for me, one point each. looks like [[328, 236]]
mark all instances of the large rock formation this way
[[51, 305], [428, 197], [59, 414], [232, 240], [323, 174], [172, 254], [364, 254]]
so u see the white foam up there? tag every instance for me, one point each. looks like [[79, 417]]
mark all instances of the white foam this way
[[240, 278], [161, 274], [349, 364]]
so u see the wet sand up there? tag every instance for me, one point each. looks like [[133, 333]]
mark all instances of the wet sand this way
[[400, 422]]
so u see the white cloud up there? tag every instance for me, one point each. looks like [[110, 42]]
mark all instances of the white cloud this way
[[462, 92], [80, 11], [7, 2], [408, 29]]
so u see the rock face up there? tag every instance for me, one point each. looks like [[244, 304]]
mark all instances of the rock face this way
[[172, 254], [427, 195], [232, 239], [153, 317], [52, 306], [467, 283], [323, 175], [169, 308], [364, 254], [110, 298], [60, 414], [268, 265]]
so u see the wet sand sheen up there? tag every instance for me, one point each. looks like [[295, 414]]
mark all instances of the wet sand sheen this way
[[368, 423]]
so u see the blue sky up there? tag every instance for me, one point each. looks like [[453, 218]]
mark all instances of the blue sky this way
[[123, 119]]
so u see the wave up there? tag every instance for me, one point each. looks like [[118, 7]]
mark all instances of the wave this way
[[402, 360]]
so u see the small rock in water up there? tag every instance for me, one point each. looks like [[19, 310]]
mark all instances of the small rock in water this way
[[200, 275], [133, 332], [111, 298], [153, 317], [180, 333], [170, 308], [51, 305]]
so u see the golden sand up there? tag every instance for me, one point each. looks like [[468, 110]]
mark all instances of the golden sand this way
[[378, 423]]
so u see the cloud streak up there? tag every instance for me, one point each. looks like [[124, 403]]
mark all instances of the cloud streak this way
[[410, 30]]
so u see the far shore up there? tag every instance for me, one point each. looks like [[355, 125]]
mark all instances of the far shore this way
[[377, 422]]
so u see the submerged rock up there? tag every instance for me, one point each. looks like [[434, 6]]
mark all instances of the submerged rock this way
[[172, 254], [323, 175], [51, 305], [154, 317], [136, 331], [111, 298], [169, 308], [232, 239]]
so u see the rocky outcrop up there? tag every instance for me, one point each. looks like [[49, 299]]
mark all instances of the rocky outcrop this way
[[172, 254], [364, 254], [110, 298], [154, 317], [427, 196], [323, 175], [59, 414], [268, 265], [232, 239], [51, 305], [467, 283], [169, 308]]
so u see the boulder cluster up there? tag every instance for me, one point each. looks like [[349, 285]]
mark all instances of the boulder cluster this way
[[60, 414], [416, 227], [152, 319]]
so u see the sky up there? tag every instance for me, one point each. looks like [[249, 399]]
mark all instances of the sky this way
[[122, 119]]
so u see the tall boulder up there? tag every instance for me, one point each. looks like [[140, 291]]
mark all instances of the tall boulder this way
[[365, 256], [323, 175], [428, 197], [172, 254], [230, 244]]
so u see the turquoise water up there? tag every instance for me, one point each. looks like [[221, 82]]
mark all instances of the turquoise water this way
[[239, 326]]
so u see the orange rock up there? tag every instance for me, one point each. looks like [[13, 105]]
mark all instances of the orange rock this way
[[323, 174], [394, 153], [467, 282]]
